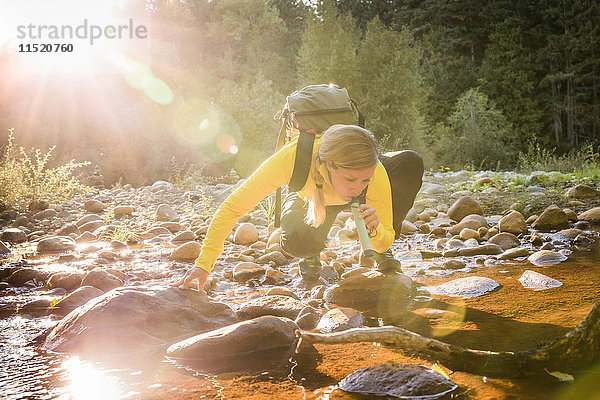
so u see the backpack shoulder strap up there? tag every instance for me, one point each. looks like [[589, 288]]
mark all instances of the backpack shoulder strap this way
[[304, 152]]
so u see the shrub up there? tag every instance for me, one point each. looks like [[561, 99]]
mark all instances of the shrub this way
[[25, 177]]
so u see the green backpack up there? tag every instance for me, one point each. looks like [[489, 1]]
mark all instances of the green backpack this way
[[309, 112]]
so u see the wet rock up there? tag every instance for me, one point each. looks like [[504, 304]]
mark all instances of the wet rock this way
[[73, 300], [454, 264], [536, 281], [581, 192], [583, 225], [56, 244], [553, 218], [405, 381], [263, 343], [471, 286], [13, 235], [246, 234], [184, 236], [101, 279], [281, 291], [165, 213], [274, 277], [86, 237], [340, 319], [281, 306], [4, 249], [154, 231], [94, 206], [472, 221], [131, 321], [245, 271], [22, 275], [87, 218], [66, 280], [484, 249], [372, 292], [546, 257], [91, 226], [468, 233], [67, 230], [276, 257], [454, 244], [464, 206], [48, 213], [308, 318], [568, 234], [407, 228], [186, 252], [514, 253], [513, 222], [592, 215], [505, 240]]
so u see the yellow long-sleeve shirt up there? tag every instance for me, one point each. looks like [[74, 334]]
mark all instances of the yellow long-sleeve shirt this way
[[276, 171]]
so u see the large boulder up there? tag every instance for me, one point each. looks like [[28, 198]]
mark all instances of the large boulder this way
[[373, 293], [472, 221], [65, 280], [592, 215], [76, 299], [464, 206], [581, 192], [505, 240], [130, 321], [250, 346], [513, 222], [546, 257], [101, 279], [553, 218]]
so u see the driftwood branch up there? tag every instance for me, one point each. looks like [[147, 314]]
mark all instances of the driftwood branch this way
[[577, 350]]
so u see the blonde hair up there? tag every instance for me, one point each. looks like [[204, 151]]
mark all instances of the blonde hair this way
[[347, 146]]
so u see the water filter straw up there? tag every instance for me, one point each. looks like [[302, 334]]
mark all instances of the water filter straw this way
[[363, 236]]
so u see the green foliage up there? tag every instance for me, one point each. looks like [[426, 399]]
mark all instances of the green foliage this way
[[476, 134], [267, 206], [122, 233], [25, 177], [379, 68]]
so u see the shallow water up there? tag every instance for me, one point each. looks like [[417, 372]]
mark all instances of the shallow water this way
[[510, 318]]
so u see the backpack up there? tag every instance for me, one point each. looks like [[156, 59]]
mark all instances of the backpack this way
[[309, 112]]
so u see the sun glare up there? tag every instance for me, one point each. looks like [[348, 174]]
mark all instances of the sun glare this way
[[88, 383]]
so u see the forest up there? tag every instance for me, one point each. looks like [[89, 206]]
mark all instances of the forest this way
[[468, 84]]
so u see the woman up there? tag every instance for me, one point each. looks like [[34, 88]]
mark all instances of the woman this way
[[345, 164]]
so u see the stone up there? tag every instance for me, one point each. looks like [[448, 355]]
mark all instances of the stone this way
[[568, 234], [308, 318], [67, 230], [86, 237], [101, 279], [276, 257], [407, 228], [245, 271], [260, 344], [274, 237], [184, 236], [76, 299], [536, 281], [245, 234], [133, 322], [514, 253], [471, 286], [56, 244], [513, 222], [340, 319], [454, 264], [281, 291], [553, 218], [48, 213], [66, 280], [505, 240], [454, 244], [469, 233], [592, 215], [186, 252], [13, 235], [405, 381], [123, 210], [165, 213], [472, 221], [91, 226], [94, 206], [373, 293], [546, 257], [153, 232], [87, 218], [462, 207], [281, 306], [22, 275], [581, 192], [484, 249]]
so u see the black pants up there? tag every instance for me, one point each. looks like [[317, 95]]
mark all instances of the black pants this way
[[405, 172]]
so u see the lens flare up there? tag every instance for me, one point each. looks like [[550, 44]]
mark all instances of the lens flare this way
[[226, 144], [88, 382]]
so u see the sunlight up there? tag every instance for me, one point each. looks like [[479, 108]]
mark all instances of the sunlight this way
[[88, 382]]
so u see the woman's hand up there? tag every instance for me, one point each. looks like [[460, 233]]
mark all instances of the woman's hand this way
[[192, 274], [369, 215]]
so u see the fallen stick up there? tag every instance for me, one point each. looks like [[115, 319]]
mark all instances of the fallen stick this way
[[577, 350]]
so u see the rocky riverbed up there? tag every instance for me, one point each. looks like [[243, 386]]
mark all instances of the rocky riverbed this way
[[506, 265]]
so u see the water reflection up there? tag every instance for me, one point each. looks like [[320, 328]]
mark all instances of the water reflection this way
[[88, 382]]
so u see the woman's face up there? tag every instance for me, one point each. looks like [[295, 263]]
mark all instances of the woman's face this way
[[349, 183]]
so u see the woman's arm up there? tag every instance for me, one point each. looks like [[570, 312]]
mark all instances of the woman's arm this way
[[379, 196]]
